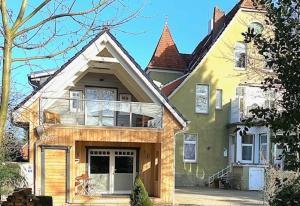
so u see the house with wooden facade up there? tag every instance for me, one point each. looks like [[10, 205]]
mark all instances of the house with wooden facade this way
[[95, 124], [215, 87]]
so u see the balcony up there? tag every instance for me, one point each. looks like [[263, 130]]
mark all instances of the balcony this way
[[101, 113], [252, 98]]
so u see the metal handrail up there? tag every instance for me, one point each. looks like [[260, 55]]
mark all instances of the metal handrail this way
[[220, 174]]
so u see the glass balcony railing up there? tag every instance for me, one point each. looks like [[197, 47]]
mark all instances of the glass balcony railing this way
[[66, 111]]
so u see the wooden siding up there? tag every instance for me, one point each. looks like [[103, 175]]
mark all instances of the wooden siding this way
[[157, 150], [146, 158], [55, 175]]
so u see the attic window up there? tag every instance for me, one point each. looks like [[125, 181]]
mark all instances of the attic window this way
[[257, 27]]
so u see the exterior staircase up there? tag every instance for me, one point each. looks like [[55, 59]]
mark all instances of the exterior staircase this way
[[222, 175]]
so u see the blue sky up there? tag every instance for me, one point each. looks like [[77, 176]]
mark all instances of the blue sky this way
[[187, 20]]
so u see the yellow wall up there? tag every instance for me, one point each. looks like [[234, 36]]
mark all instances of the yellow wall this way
[[219, 72]]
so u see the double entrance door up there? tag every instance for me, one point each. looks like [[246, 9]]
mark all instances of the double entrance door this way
[[112, 171]]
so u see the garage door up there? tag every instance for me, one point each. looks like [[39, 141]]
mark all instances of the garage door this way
[[54, 175], [256, 178]]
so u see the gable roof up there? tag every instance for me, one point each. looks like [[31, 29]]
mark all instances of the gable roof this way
[[81, 58], [209, 40], [166, 54]]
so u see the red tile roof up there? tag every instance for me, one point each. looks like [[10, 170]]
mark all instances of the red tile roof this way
[[249, 4], [166, 55], [218, 18], [187, 58], [170, 87]]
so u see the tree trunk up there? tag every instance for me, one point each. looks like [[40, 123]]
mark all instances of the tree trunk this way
[[5, 90]]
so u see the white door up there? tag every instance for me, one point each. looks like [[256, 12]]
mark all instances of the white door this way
[[256, 178], [112, 171]]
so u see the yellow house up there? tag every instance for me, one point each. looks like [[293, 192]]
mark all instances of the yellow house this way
[[215, 90]]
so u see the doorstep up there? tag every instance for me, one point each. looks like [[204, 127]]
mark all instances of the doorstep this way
[[109, 200]]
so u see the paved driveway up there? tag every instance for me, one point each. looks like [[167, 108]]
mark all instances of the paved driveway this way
[[216, 197]]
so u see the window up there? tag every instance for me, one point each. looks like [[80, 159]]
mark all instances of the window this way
[[269, 97], [190, 148], [75, 101], [219, 96], [240, 55], [257, 27], [247, 148], [263, 148], [202, 95]]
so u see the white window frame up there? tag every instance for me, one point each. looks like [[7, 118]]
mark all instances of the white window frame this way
[[248, 145], [257, 23], [238, 50], [194, 142], [207, 96], [260, 150], [80, 108], [219, 103], [269, 96]]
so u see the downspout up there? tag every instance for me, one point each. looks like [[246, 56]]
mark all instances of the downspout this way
[[183, 130]]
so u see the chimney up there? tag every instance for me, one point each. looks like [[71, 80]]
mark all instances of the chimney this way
[[218, 18]]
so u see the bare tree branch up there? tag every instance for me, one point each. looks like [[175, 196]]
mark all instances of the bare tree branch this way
[[34, 12], [20, 15], [69, 14], [4, 16]]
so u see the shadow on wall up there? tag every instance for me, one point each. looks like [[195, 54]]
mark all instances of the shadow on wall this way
[[211, 129]]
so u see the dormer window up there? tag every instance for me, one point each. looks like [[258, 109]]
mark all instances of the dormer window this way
[[257, 27], [240, 53]]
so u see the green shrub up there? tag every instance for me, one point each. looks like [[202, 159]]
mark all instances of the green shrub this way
[[139, 195], [10, 177], [286, 194]]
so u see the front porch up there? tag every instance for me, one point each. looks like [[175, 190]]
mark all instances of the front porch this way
[[103, 168]]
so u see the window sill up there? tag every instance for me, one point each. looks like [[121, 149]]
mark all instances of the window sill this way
[[240, 68], [202, 113], [190, 161]]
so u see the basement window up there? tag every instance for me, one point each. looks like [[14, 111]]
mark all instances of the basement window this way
[[190, 148]]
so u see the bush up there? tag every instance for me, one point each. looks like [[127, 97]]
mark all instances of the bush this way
[[10, 177], [286, 194], [282, 187], [139, 195]]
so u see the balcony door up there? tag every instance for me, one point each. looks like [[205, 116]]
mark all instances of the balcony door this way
[[112, 171], [99, 112]]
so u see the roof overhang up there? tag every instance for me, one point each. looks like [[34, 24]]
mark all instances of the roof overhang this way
[[79, 64]]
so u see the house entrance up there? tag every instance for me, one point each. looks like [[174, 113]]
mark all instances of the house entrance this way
[[112, 171]]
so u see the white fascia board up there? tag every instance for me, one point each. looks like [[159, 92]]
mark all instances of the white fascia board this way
[[206, 55], [146, 81], [104, 59], [41, 74], [59, 81], [79, 64]]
